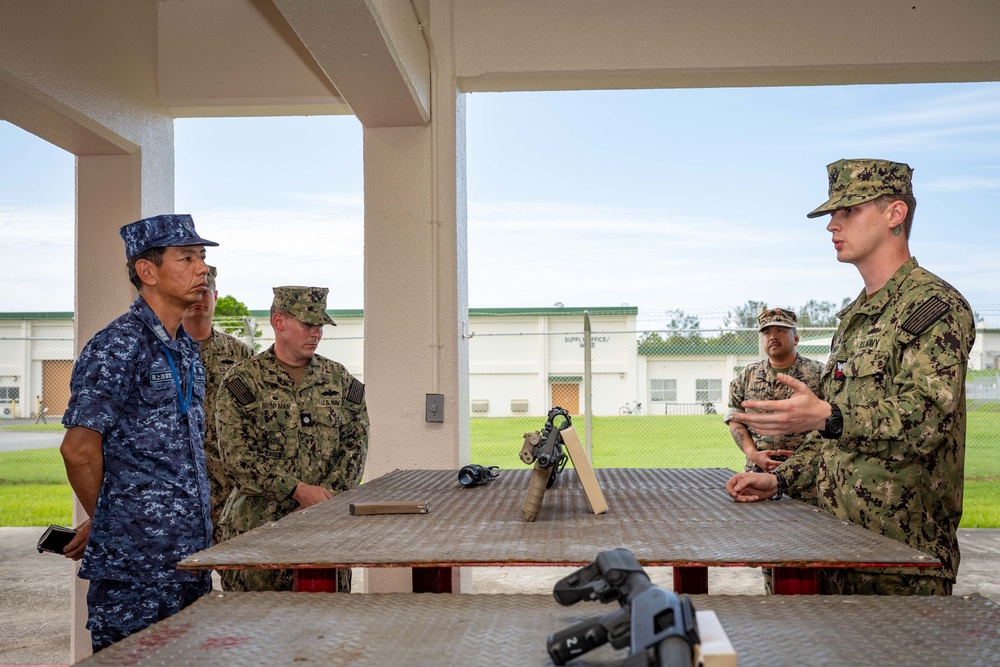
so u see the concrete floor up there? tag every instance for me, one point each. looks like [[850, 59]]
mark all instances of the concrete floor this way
[[35, 607]]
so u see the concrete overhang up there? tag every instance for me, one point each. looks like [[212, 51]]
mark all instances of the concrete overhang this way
[[294, 57]]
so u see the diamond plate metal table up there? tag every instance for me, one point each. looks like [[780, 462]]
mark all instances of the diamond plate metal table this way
[[420, 630], [678, 517]]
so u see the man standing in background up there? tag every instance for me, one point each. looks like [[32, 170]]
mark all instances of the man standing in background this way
[[219, 352], [293, 430], [758, 381]]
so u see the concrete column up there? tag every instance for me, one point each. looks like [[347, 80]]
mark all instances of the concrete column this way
[[416, 290]]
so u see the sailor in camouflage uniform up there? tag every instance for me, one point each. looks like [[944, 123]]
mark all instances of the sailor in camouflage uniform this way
[[219, 352], [133, 446], [892, 453], [758, 382], [292, 427]]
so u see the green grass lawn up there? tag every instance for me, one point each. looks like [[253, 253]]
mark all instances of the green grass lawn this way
[[34, 492], [33, 488]]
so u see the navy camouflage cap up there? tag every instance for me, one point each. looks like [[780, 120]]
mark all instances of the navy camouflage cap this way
[[854, 182], [306, 304], [160, 231], [776, 317]]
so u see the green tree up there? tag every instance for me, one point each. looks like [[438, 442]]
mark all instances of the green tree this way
[[745, 316], [228, 306], [681, 330], [229, 316], [820, 313], [684, 325]]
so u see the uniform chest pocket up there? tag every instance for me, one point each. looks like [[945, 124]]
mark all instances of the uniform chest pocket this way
[[327, 417], [867, 370], [158, 394]]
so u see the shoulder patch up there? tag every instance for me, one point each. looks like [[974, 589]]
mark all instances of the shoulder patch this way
[[926, 315], [356, 392], [240, 391]]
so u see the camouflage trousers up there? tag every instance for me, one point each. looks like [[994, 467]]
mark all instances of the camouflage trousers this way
[[117, 609], [243, 513], [273, 580], [220, 490], [872, 582]]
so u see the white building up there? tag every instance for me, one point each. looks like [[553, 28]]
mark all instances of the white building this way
[[36, 357], [522, 361]]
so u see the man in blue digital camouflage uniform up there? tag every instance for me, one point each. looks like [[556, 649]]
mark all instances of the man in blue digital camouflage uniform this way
[[891, 453], [133, 449]]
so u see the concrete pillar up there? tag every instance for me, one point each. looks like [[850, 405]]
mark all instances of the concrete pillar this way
[[110, 191], [416, 289]]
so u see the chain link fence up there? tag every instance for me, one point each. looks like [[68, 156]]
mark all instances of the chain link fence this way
[[645, 399], [657, 398]]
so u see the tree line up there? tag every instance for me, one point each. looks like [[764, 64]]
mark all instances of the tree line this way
[[684, 329]]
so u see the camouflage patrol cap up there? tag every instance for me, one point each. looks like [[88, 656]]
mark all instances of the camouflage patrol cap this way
[[160, 231], [854, 182], [776, 317], [210, 278], [306, 304]]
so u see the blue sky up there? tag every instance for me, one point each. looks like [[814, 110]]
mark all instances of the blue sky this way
[[669, 199]]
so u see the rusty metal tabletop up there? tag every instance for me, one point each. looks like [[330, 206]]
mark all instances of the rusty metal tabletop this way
[[677, 517], [417, 630]]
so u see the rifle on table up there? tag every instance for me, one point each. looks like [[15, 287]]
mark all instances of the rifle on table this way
[[545, 449], [658, 626]]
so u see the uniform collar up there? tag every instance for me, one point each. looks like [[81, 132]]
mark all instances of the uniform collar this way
[[881, 299], [146, 315], [278, 371]]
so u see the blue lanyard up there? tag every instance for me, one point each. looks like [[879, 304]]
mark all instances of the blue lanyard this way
[[185, 401]]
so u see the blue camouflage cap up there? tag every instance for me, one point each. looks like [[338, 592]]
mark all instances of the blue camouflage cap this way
[[160, 231]]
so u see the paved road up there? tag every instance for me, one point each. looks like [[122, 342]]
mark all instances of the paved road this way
[[11, 440]]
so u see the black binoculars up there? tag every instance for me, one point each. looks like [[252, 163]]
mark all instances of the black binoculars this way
[[474, 475]]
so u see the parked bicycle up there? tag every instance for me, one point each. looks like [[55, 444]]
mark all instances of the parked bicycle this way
[[631, 408]]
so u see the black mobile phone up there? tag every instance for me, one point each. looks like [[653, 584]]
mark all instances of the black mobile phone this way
[[55, 539]]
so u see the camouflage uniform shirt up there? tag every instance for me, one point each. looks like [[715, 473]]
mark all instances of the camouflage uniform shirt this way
[[274, 434], [153, 506], [897, 371], [220, 353], [759, 382]]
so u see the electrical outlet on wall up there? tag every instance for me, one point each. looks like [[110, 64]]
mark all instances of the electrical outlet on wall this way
[[434, 410]]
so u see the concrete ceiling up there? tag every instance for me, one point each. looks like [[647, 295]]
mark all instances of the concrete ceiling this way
[[294, 57]]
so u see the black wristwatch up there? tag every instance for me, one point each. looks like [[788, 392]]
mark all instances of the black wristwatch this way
[[834, 423]]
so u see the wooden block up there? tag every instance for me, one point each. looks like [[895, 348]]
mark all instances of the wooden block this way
[[716, 650], [401, 507], [584, 470]]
